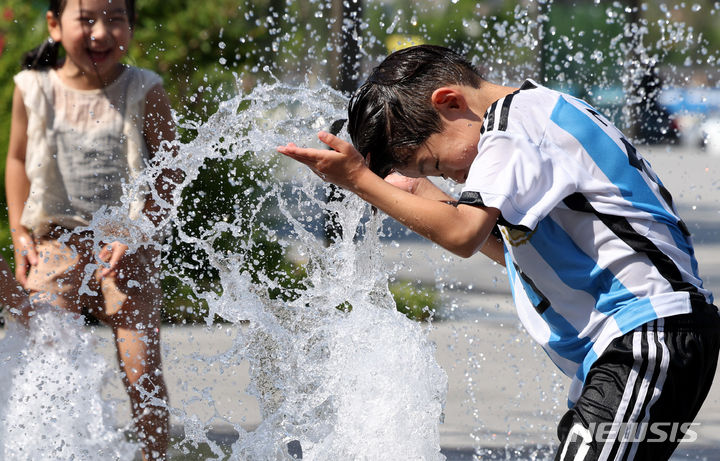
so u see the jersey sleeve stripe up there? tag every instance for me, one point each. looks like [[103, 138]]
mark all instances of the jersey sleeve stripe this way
[[503, 117], [474, 198], [505, 111], [490, 119]]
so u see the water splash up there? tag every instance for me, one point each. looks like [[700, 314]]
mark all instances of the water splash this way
[[52, 379], [333, 365]]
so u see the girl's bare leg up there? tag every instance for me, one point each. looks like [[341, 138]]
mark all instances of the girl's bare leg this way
[[134, 315], [139, 357], [133, 312]]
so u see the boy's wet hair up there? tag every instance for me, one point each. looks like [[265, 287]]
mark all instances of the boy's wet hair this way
[[391, 114], [46, 55]]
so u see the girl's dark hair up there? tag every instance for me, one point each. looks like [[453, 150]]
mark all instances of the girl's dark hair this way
[[391, 114], [46, 55]]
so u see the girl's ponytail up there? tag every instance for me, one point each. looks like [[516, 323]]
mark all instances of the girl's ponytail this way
[[44, 56]]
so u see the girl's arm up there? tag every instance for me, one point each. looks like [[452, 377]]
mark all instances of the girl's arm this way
[[159, 126], [462, 230], [17, 189]]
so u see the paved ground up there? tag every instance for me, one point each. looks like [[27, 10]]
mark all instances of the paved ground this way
[[503, 390]]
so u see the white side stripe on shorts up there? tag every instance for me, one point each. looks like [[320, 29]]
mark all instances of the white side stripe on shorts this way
[[641, 395], [659, 334], [578, 430], [627, 395]]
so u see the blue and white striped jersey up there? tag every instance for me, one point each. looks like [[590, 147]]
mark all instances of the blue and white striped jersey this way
[[594, 246]]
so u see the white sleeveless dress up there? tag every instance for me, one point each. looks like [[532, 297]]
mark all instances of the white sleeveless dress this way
[[82, 146]]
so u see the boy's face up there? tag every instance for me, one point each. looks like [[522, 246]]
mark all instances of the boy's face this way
[[448, 154]]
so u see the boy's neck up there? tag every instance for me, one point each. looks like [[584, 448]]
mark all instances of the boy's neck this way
[[482, 98]]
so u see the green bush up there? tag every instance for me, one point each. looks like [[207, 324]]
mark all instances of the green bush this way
[[22, 27], [417, 302]]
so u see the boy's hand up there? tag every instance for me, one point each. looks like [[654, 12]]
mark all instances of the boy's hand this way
[[25, 255], [341, 165], [111, 254]]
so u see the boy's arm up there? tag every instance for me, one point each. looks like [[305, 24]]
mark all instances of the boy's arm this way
[[423, 187], [462, 230], [17, 189]]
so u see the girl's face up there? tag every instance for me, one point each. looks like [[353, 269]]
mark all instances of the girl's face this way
[[95, 35]]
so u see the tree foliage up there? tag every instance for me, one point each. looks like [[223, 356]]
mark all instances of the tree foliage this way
[[22, 27]]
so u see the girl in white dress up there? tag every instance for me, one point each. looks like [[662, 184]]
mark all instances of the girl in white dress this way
[[80, 128]]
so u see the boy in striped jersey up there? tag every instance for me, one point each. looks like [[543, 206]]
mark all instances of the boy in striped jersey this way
[[601, 266]]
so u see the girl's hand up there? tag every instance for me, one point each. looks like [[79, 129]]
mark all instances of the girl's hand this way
[[25, 255], [12, 295], [341, 165], [111, 254]]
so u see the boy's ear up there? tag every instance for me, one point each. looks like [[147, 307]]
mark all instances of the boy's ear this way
[[448, 98], [53, 26]]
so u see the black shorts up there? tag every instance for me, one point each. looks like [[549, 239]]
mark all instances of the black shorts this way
[[640, 397]]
